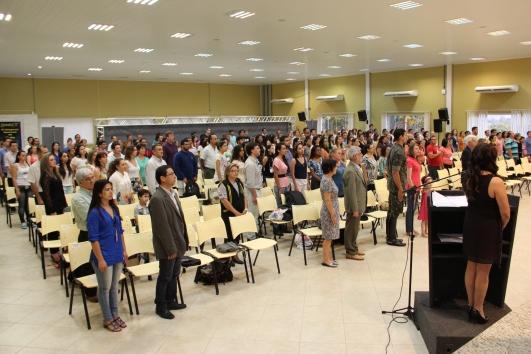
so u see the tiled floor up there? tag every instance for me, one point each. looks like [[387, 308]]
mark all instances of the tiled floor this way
[[303, 310]]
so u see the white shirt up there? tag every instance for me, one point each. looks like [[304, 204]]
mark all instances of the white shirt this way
[[153, 164], [133, 170], [111, 158], [120, 184], [34, 175], [68, 179], [9, 159], [253, 173], [77, 162], [22, 174], [209, 155], [173, 197]]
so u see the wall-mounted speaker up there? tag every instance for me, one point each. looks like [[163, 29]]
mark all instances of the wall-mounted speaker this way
[[362, 115], [437, 125], [443, 114], [302, 116]]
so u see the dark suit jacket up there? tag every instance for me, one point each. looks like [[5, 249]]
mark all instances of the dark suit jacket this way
[[465, 158], [169, 229], [355, 190]]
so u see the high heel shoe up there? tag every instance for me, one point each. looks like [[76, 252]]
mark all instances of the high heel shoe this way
[[477, 318], [469, 310]]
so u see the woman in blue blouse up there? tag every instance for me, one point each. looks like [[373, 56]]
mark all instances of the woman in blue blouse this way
[[108, 251]]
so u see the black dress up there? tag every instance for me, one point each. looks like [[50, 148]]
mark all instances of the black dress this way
[[482, 235]]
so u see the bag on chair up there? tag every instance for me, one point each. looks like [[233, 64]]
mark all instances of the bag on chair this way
[[205, 274], [191, 189]]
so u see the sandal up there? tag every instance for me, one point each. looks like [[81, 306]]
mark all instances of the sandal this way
[[331, 265], [118, 321], [112, 326]]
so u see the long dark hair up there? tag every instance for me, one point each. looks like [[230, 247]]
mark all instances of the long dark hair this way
[[483, 159], [62, 169], [96, 199], [113, 166], [236, 153]]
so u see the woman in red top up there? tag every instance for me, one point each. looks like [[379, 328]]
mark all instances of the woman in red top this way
[[448, 162], [413, 182]]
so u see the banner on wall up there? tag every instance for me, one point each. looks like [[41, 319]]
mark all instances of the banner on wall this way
[[11, 130]]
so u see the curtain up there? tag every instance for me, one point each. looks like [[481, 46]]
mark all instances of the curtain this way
[[478, 119], [521, 121]]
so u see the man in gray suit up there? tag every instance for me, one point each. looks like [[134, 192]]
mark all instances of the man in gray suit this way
[[355, 202], [170, 240]]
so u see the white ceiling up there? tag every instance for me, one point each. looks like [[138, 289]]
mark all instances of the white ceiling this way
[[40, 27]]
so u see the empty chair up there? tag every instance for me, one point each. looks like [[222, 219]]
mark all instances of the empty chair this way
[[189, 202], [127, 211], [49, 224], [375, 216], [304, 214], [11, 203], [211, 211], [267, 204], [143, 222], [313, 196], [68, 233]]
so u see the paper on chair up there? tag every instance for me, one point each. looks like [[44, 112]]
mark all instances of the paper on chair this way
[[454, 201]]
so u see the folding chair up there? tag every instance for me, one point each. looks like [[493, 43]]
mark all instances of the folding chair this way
[[68, 234], [313, 196], [305, 213], [127, 211], [143, 223], [211, 211], [11, 202], [49, 224], [189, 202], [267, 204], [375, 216]]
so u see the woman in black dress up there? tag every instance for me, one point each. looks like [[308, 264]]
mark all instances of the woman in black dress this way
[[486, 216]]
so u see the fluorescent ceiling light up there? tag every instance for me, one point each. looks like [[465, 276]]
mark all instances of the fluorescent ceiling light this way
[[5, 17], [215, 67], [260, 77], [142, 2], [290, 79], [72, 45], [347, 55], [249, 42], [256, 70], [324, 75], [365, 69], [144, 50], [240, 14], [413, 46], [459, 21], [39, 67], [369, 37], [416, 65], [186, 74], [384, 60], [334, 67], [98, 27], [254, 59], [144, 71], [293, 73], [180, 35], [297, 63], [526, 43], [95, 69], [303, 49], [225, 75], [52, 58], [448, 53], [169, 64], [203, 55], [313, 27], [406, 5], [477, 59], [116, 61], [499, 33], [29, 74]]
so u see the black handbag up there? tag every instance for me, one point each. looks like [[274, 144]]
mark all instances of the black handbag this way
[[189, 261], [191, 189]]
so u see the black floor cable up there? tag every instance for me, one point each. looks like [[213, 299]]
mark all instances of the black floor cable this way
[[398, 319]]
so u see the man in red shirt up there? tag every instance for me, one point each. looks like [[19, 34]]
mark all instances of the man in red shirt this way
[[434, 157]]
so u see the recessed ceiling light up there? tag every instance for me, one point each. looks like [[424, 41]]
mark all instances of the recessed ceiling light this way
[[52, 58], [142, 2], [116, 61], [186, 74], [334, 67], [365, 69], [448, 53], [144, 71], [39, 67], [303, 49], [260, 77], [293, 72], [256, 70], [459, 21], [313, 27], [254, 59], [203, 55], [369, 37], [290, 79], [225, 75], [413, 46], [406, 5], [180, 35], [249, 42], [347, 55], [5, 17], [297, 63], [29, 74], [169, 64], [215, 67], [98, 27], [95, 69], [526, 43], [72, 45], [144, 50], [384, 60], [240, 14], [324, 75], [416, 65], [477, 59], [499, 33]]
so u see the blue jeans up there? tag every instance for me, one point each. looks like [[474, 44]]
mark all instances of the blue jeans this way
[[410, 211], [108, 289]]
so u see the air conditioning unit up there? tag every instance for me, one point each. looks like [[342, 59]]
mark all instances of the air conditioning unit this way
[[412, 93], [497, 89], [282, 100], [330, 98]]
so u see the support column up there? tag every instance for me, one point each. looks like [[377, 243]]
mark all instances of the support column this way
[[368, 97], [449, 85], [307, 98]]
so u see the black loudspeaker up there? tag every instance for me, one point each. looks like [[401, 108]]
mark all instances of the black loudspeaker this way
[[302, 116], [362, 115], [443, 114], [437, 125]]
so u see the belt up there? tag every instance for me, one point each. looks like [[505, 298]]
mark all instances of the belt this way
[[280, 176]]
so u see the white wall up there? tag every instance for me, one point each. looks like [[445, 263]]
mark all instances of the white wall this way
[[29, 126], [72, 126]]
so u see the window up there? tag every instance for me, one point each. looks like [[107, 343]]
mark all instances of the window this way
[[405, 120], [515, 121], [335, 122]]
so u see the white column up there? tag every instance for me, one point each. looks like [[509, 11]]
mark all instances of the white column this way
[[449, 90], [307, 99], [368, 97]]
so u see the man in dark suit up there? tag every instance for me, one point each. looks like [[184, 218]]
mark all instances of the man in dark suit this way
[[470, 142], [355, 202], [170, 240]]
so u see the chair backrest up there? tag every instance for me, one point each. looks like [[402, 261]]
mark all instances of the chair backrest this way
[[510, 163], [139, 243], [68, 233], [341, 202], [10, 193], [211, 211], [79, 254], [243, 223], [380, 187], [189, 202], [313, 196], [127, 225], [52, 223], [31, 205], [459, 165], [519, 170], [144, 223], [270, 182], [371, 200], [127, 211], [265, 204], [191, 217], [40, 210], [68, 197], [308, 212], [214, 228], [266, 191], [502, 170]]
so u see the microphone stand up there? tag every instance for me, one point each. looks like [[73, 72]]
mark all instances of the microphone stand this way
[[409, 311]]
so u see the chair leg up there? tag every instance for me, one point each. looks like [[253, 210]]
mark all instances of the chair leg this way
[[250, 264], [42, 262], [292, 242], [216, 286], [256, 257], [85, 306], [373, 229], [128, 298], [180, 290], [134, 292], [71, 297], [304, 250], [66, 279], [61, 267], [276, 259], [333, 251], [244, 265], [122, 292]]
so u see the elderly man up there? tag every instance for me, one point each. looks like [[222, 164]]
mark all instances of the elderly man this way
[[470, 142], [355, 202]]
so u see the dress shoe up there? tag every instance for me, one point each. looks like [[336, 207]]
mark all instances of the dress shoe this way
[[477, 318], [396, 242], [176, 306], [236, 260], [360, 253], [93, 299], [165, 314], [355, 257]]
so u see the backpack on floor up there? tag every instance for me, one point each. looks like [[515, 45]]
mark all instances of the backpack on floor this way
[[205, 273]]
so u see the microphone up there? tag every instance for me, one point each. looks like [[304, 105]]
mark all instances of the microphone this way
[[435, 181]]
